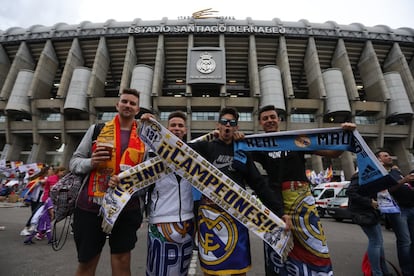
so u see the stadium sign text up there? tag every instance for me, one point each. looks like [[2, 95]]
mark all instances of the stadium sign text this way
[[220, 28]]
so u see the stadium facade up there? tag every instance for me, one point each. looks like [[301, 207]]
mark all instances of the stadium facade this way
[[57, 81]]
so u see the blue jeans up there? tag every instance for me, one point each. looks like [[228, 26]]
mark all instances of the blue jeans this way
[[375, 249], [403, 226]]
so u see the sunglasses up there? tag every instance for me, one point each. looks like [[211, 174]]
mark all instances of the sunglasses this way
[[224, 122]]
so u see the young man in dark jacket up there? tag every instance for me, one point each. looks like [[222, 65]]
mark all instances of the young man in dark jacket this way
[[401, 223], [364, 209], [216, 251]]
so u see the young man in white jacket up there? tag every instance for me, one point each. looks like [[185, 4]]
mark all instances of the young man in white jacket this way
[[171, 225]]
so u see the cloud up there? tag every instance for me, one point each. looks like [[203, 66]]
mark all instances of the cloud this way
[[25, 13]]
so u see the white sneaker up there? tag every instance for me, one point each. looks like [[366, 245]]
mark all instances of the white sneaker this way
[[25, 232], [32, 228]]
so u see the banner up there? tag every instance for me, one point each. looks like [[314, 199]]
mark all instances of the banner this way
[[372, 175], [217, 186]]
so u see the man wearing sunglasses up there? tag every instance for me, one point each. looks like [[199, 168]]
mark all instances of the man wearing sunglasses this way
[[224, 242]]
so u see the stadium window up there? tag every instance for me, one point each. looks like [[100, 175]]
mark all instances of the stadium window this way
[[204, 116], [302, 118], [245, 116], [51, 117], [106, 116], [164, 115], [365, 120]]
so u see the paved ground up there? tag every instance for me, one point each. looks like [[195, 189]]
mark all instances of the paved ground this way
[[347, 244]]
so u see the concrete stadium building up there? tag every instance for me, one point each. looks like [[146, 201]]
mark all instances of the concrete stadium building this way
[[56, 81]]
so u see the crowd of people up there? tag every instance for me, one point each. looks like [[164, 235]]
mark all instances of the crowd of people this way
[[181, 219]]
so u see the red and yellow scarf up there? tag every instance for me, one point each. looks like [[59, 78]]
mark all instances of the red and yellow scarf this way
[[133, 155]]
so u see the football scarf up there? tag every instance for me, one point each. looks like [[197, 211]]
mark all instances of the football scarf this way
[[132, 180], [373, 177], [110, 133], [222, 190]]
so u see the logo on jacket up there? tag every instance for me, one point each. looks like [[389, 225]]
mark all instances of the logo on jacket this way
[[223, 161]]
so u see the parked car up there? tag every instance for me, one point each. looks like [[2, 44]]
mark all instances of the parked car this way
[[338, 207]]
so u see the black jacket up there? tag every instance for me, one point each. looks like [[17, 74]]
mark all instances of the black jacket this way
[[221, 155], [360, 203]]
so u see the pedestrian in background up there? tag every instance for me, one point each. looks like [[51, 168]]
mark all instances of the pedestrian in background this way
[[34, 195], [44, 224], [365, 213], [53, 176], [401, 223]]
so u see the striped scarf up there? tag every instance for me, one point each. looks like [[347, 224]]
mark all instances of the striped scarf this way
[[110, 133]]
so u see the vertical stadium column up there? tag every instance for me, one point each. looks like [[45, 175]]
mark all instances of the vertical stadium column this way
[[45, 73], [374, 84], [77, 98], [341, 60], [157, 81], [40, 88], [396, 61], [313, 71], [253, 68], [22, 60], [142, 77], [282, 61], [399, 107], [188, 88], [271, 90], [189, 92], [347, 164], [371, 75], [96, 86], [129, 63], [73, 60], [97, 80], [19, 101], [18, 105], [4, 69], [317, 164], [400, 112], [4, 65], [222, 44], [337, 108], [405, 161]]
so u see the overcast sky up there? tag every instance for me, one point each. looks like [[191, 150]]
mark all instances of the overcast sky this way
[[25, 13]]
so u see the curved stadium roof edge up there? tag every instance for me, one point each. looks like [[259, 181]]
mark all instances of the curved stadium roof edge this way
[[214, 25]]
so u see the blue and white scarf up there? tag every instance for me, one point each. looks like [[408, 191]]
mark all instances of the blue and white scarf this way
[[373, 177]]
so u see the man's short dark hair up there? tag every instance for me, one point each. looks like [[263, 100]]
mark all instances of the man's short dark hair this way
[[177, 114], [266, 108], [130, 91], [377, 153], [229, 110]]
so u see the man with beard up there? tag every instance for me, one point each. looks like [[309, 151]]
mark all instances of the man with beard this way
[[116, 148]]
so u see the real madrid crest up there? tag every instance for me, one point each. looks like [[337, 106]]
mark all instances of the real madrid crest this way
[[206, 63]]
